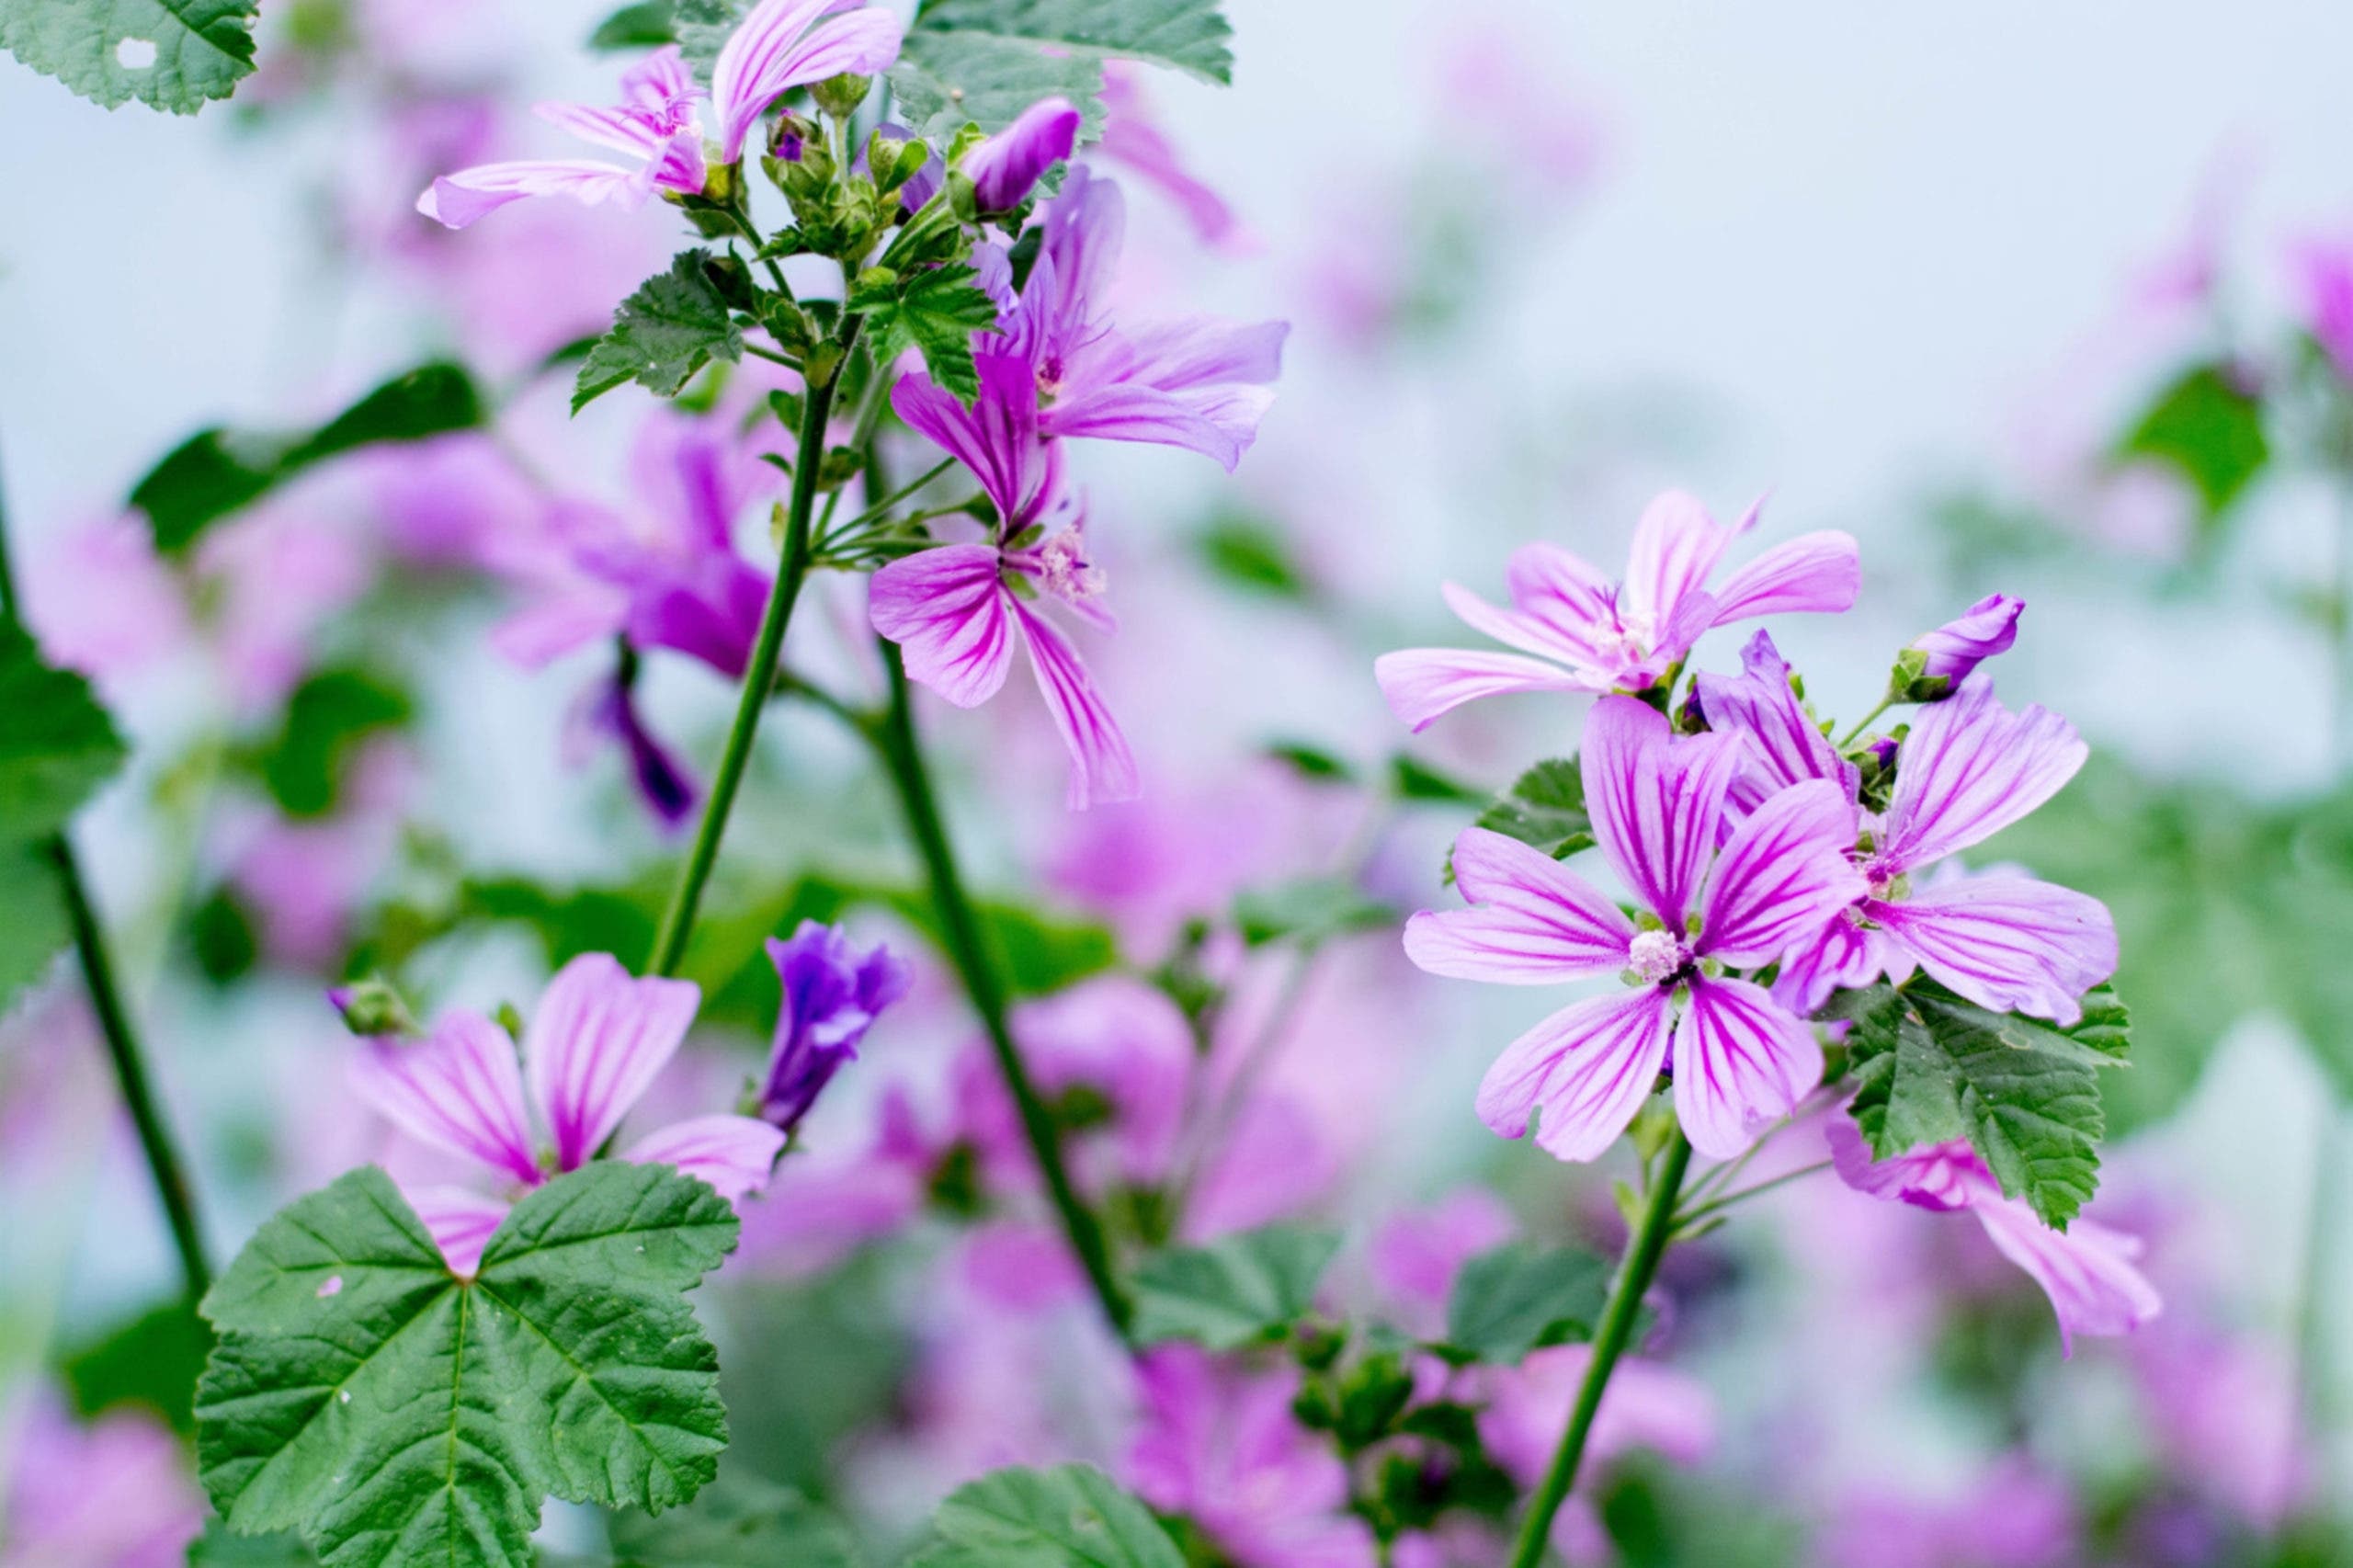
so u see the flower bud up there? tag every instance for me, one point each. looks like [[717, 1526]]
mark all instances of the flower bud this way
[[373, 1009], [1004, 168], [1935, 663], [840, 96], [831, 995]]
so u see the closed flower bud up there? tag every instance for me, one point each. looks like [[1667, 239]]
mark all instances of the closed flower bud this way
[[373, 1009], [840, 96], [1004, 168], [1936, 663], [833, 992]]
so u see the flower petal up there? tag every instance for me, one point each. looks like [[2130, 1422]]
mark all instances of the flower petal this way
[[1587, 1068], [774, 49], [734, 1153], [946, 609], [1127, 411], [1676, 546], [1741, 1061], [1004, 168], [596, 1039], [1968, 769], [1566, 594], [1423, 683], [459, 1090], [460, 1222], [1657, 800], [1178, 352], [1533, 921], [2007, 942], [997, 437], [2086, 1269], [456, 200], [1941, 1176], [1528, 633], [1102, 768], [1782, 875], [1841, 956], [1784, 745], [1814, 571]]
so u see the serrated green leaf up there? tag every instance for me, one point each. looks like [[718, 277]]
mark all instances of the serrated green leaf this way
[[215, 472], [672, 326], [2208, 428], [57, 745], [1520, 1297], [985, 61], [169, 54], [934, 311], [1232, 1291], [1070, 1516], [1932, 1067], [736, 1523], [392, 1413], [701, 28], [1312, 909], [1544, 807]]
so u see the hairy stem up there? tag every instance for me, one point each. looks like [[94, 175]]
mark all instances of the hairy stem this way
[[759, 675], [1643, 1250], [894, 735], [164, 1164]]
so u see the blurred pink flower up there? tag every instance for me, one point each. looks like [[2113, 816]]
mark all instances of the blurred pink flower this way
[[2013, 1515], [102, 602], [115, 1492], [1133, 138]]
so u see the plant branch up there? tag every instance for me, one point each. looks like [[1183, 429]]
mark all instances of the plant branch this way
[[1643, 1250]]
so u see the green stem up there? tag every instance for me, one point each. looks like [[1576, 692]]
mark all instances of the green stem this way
[[759, 676], [1692, 1216], [1643, 1250], [1865, 722], [893, 735], [164, 1164]]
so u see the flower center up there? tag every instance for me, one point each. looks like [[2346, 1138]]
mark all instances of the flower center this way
[[1062, 560], [1655, 957]]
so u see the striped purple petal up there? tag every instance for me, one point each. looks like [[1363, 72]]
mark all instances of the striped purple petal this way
[[1587, 1070], [456, 200], [1742, 1060], [2087, 1270], [460, 1221], [1784, 745], [1657, 800], [948, 613], [2007, 942], [459, 1090], [1102, 769], [1420, 684], [596, 1042], [1783, 874], [1819, 571], [734, 1153], [1676, 546], [1532, 920], [776, 49], [1968, 769]]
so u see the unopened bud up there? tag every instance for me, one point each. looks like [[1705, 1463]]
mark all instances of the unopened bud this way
[[373, 1009], [1935, 663], [840, 96]]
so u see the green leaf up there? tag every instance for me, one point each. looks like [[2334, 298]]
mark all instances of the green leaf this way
[[1233, 1291], [153, 1360], [1411, 779], [392, 1413], [1520, 1297], [936, 311], [1931, 1067], [736, 1523], [1311, 763], [1544, 807], [36, 930], [674, 325], [1312, 909], [647, 25], [985, 61], [194, 50], [57, 745], [328, 718], [1251, 552], [2210, 428], [1070, 1516], [215, 472], [218, 1547]]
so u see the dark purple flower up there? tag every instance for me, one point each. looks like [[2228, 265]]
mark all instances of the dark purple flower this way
[[1950, 654], [609, 711], [833, 992]]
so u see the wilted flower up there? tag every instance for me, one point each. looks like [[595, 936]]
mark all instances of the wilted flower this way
[[596, 1043], [833, 993], [1658, 802], [1578, 631]]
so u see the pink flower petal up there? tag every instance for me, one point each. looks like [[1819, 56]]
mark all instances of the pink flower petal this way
[[596, 1039], [1814, 571], [1533, 921], [1782, 875], [775, 49], [1102, 768], [1004, 168], [2086, 1269], [460, 1222], [1741, 1061], [1676, 546], [1968, 769], [1784, 745], [456, 200], [2007, 942], [1657, 800], [1587, 1068], [459, 1090], [734, 1153], [1421, 684], [997, 437], [1840, 955], [948, 612]]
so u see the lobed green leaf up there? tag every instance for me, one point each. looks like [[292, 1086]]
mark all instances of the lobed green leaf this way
[[175, 55], [1070, 1516], [1233, 1291], [675, 324], [1520, 1297], [985, 61]]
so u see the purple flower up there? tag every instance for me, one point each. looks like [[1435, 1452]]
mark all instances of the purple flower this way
[[833, 993], [1004, 167], [607, 710], [1199, 382], [2324, 274], [1951, 653], [953, 610], [1132, 138], [1783, 743], [782, 44], [598, 1038], [1659, 808], [1576, 631], [2007, 941], [2086, 1269]]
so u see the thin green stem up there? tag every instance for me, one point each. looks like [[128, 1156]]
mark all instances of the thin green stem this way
[[894, 739], [759, 676], [1643, 1250], [164, 1164], [1692, 1216], [881, 507], [1865, 722]]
